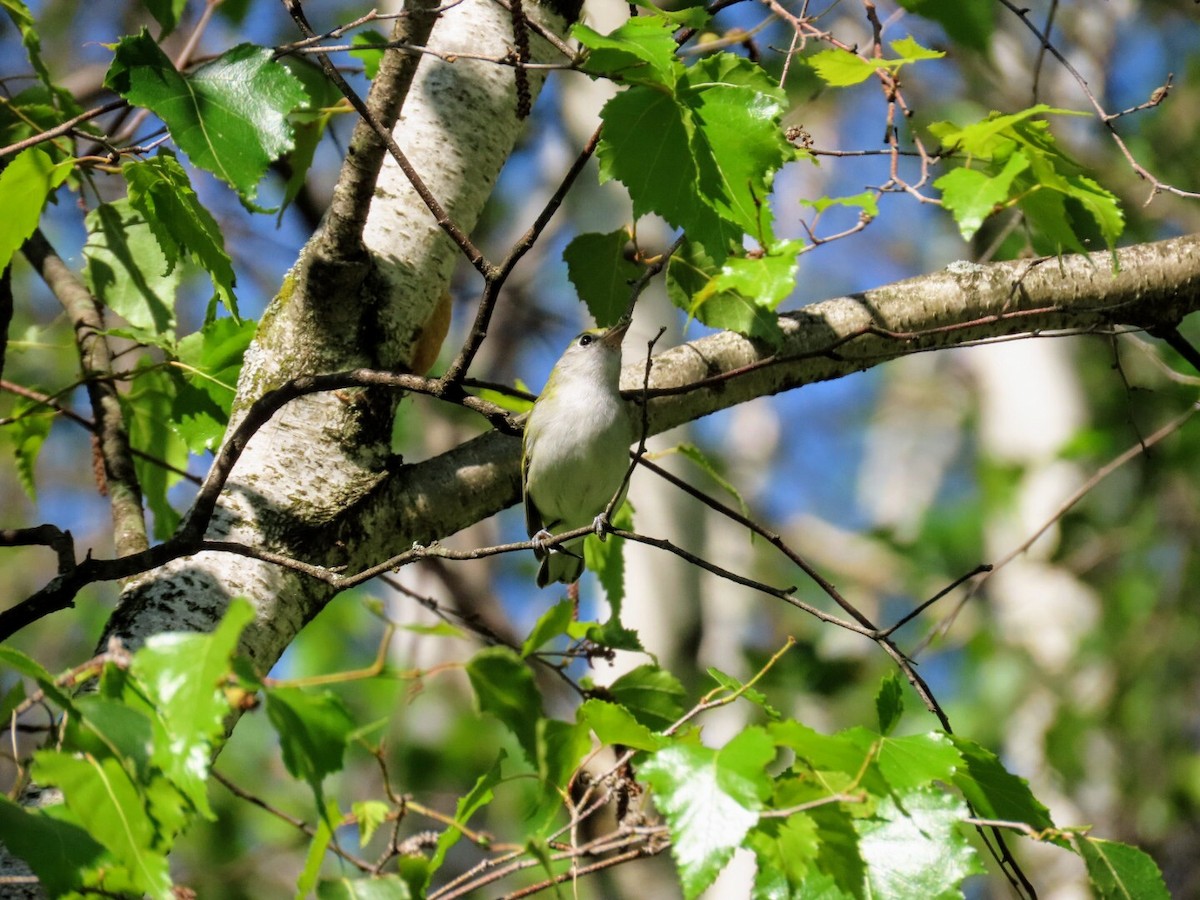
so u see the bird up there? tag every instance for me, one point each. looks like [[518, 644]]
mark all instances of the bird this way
[[575, 449]]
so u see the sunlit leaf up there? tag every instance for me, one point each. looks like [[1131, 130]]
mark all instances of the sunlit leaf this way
[[913, 848], [228, 115], [614, 724], [159, 188], [127, 271], [710, 799], [369, 814], [25, 184], [184, 673], [640, 51], [1120, 872], [369, 46], [552, 623]]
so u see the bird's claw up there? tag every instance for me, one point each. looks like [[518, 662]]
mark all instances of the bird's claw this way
[[600, 526], [539, 542]]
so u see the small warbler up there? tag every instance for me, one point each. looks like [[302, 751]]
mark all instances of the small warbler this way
[[575, 449]]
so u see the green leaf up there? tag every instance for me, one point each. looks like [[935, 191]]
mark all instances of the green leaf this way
[[602, 275], [607, 559], [734, 312], [30, 112], [907, 50], [786, 851], [561, 746], [972, 195], [710, 799], [735, 686], [839, 857], [994, 134], [686, 17], [738, 141], [478, 797], [161, 191], [552, 623], [369, 814], [612, 633], [380, 887], [889, 702], [966, 22], [316, 850], [917, 760], [21, 17], [697, 456], [313, 730], [106, 802], [309, 122], [865, 201], [28, 429], [369, 45], [994, 792], [1120, 872], [184, 674], [614, 724], [654, 696], [229, 115], [766, 278], [690, 276], [32, 669], [127, 271], [842, 68], [25, 185], [166, 13], [641, 51], [105, 727], [913, 848], [504, 687], [414, 872], [57, 851], [699, 149], [831, 754], [211, 361], [646, 146], [148, 407], [13, 697], [1100, 203], [1022, 163]]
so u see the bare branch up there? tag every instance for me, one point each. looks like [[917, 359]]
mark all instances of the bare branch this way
[[125, 494]]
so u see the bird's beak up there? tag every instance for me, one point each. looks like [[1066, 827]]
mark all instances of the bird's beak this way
[[613, 337]]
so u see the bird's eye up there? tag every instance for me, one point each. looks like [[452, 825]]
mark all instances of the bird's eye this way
[[585, 339]]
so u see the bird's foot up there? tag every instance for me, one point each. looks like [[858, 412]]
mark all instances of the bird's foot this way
[[600, 526], [539, 542]]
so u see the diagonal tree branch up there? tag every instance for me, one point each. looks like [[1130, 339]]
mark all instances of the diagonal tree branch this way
[[125, 494]]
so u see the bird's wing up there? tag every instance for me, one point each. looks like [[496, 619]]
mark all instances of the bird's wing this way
[[533, 516]]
